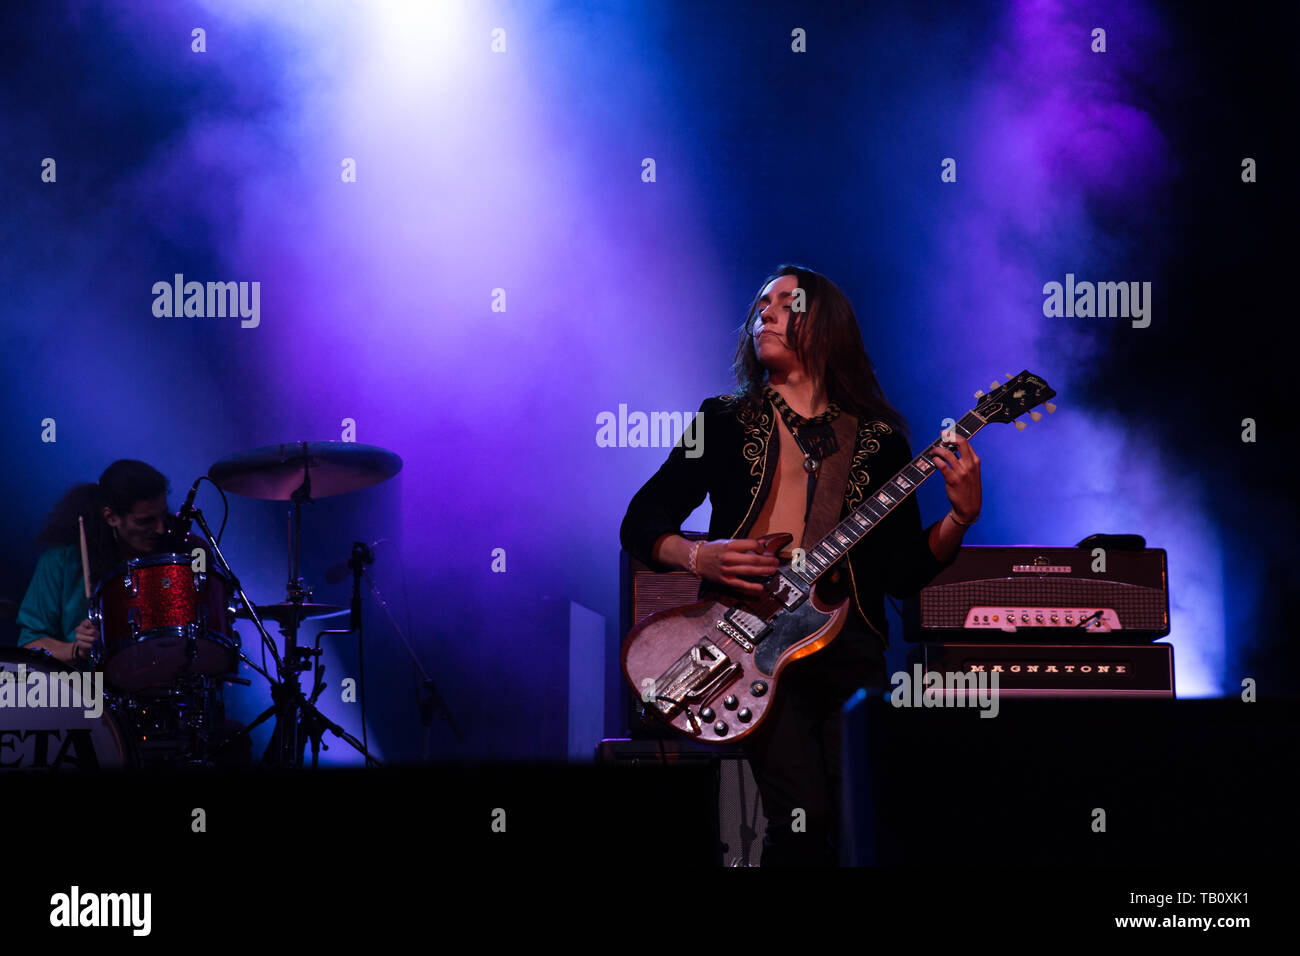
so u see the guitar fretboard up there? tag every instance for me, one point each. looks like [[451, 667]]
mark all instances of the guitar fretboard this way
[[819, 558]]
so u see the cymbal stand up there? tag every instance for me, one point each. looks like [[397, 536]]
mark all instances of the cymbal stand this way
[[285, 692]]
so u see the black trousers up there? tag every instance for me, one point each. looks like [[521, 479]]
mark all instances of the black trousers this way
[[795, 754]]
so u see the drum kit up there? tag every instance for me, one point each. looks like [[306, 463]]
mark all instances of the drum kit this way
[[168, 644]]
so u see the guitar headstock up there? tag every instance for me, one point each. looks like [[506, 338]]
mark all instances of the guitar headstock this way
[[1009, 400]]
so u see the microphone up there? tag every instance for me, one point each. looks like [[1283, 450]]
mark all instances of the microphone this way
[[180, 529], [337, 572]]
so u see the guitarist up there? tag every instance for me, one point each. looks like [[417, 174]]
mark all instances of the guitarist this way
[[806, 436]]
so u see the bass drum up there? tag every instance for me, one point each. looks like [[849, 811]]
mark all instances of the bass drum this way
[[53, 718]]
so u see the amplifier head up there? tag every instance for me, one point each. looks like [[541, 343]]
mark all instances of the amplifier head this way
[[1044, 595]]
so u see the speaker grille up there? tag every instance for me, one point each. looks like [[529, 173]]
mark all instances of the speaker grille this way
[[652, 592]]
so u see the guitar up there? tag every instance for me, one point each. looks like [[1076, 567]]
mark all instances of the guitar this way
[[710, 670]]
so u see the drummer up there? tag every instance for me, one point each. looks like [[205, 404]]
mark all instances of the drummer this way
[[126, 516]]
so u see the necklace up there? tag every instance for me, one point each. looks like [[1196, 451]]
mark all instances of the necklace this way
[[814, 436]]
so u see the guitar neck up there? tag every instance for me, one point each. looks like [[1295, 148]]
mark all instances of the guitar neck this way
[[830, 549]]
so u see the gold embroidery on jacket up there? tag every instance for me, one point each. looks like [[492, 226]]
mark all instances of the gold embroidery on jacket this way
[[758, 431], [868, 444]]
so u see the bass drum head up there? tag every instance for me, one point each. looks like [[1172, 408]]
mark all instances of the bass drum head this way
[[54, 717]]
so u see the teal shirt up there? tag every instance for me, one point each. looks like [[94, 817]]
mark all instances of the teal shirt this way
[[55, 602]]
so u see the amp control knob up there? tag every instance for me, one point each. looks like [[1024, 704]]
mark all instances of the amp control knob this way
[[730, 702], [744, 715], [707, 713], [720, 728], [758, 688]]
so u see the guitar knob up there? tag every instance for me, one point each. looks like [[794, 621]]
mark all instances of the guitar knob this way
[[758, 688], [707, 713], [720, 728], [744, 715], [730, 702]]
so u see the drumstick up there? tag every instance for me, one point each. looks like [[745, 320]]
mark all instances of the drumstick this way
[[85, 556]]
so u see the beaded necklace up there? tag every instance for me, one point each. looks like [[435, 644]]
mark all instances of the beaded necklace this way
[[814, 436]]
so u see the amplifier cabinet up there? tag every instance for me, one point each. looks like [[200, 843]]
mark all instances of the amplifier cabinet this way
[[1058, 670]]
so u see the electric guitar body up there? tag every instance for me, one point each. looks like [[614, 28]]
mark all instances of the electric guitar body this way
[[699, 668]]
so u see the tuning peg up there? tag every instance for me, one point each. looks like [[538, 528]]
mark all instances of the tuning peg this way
[[1050, 408], [1008, 376], [1020, 426], [979, 393], [1036, 416], [994, 384]]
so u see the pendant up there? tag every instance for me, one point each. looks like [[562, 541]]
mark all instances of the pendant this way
[[810, 464]]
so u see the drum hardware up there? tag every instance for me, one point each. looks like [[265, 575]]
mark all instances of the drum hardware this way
[[287, 611], [289, 472], [97, 648]]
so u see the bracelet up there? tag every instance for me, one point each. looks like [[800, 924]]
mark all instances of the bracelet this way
[[961, 524], [690, 561]]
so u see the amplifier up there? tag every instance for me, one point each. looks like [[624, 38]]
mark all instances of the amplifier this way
[[643, 592], [1044, 595], [1058, 670]]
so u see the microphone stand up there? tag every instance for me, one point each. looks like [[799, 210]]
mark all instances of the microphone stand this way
[[431, 703], [362, 555]]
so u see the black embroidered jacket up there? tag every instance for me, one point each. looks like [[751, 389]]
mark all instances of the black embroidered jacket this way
[[735, 470]]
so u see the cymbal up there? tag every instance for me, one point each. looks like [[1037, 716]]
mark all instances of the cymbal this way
[[275, 472], [283, 613]]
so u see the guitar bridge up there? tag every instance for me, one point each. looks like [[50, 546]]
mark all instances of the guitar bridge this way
[[693, 677]]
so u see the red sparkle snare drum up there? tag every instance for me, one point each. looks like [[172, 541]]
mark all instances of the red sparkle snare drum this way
[[160, 621]]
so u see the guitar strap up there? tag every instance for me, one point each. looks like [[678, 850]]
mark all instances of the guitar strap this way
[[830, 481]]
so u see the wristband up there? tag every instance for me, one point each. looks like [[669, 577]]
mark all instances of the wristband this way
[[690, 561]]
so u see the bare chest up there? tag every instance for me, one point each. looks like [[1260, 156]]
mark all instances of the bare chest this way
[[787, 499]]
